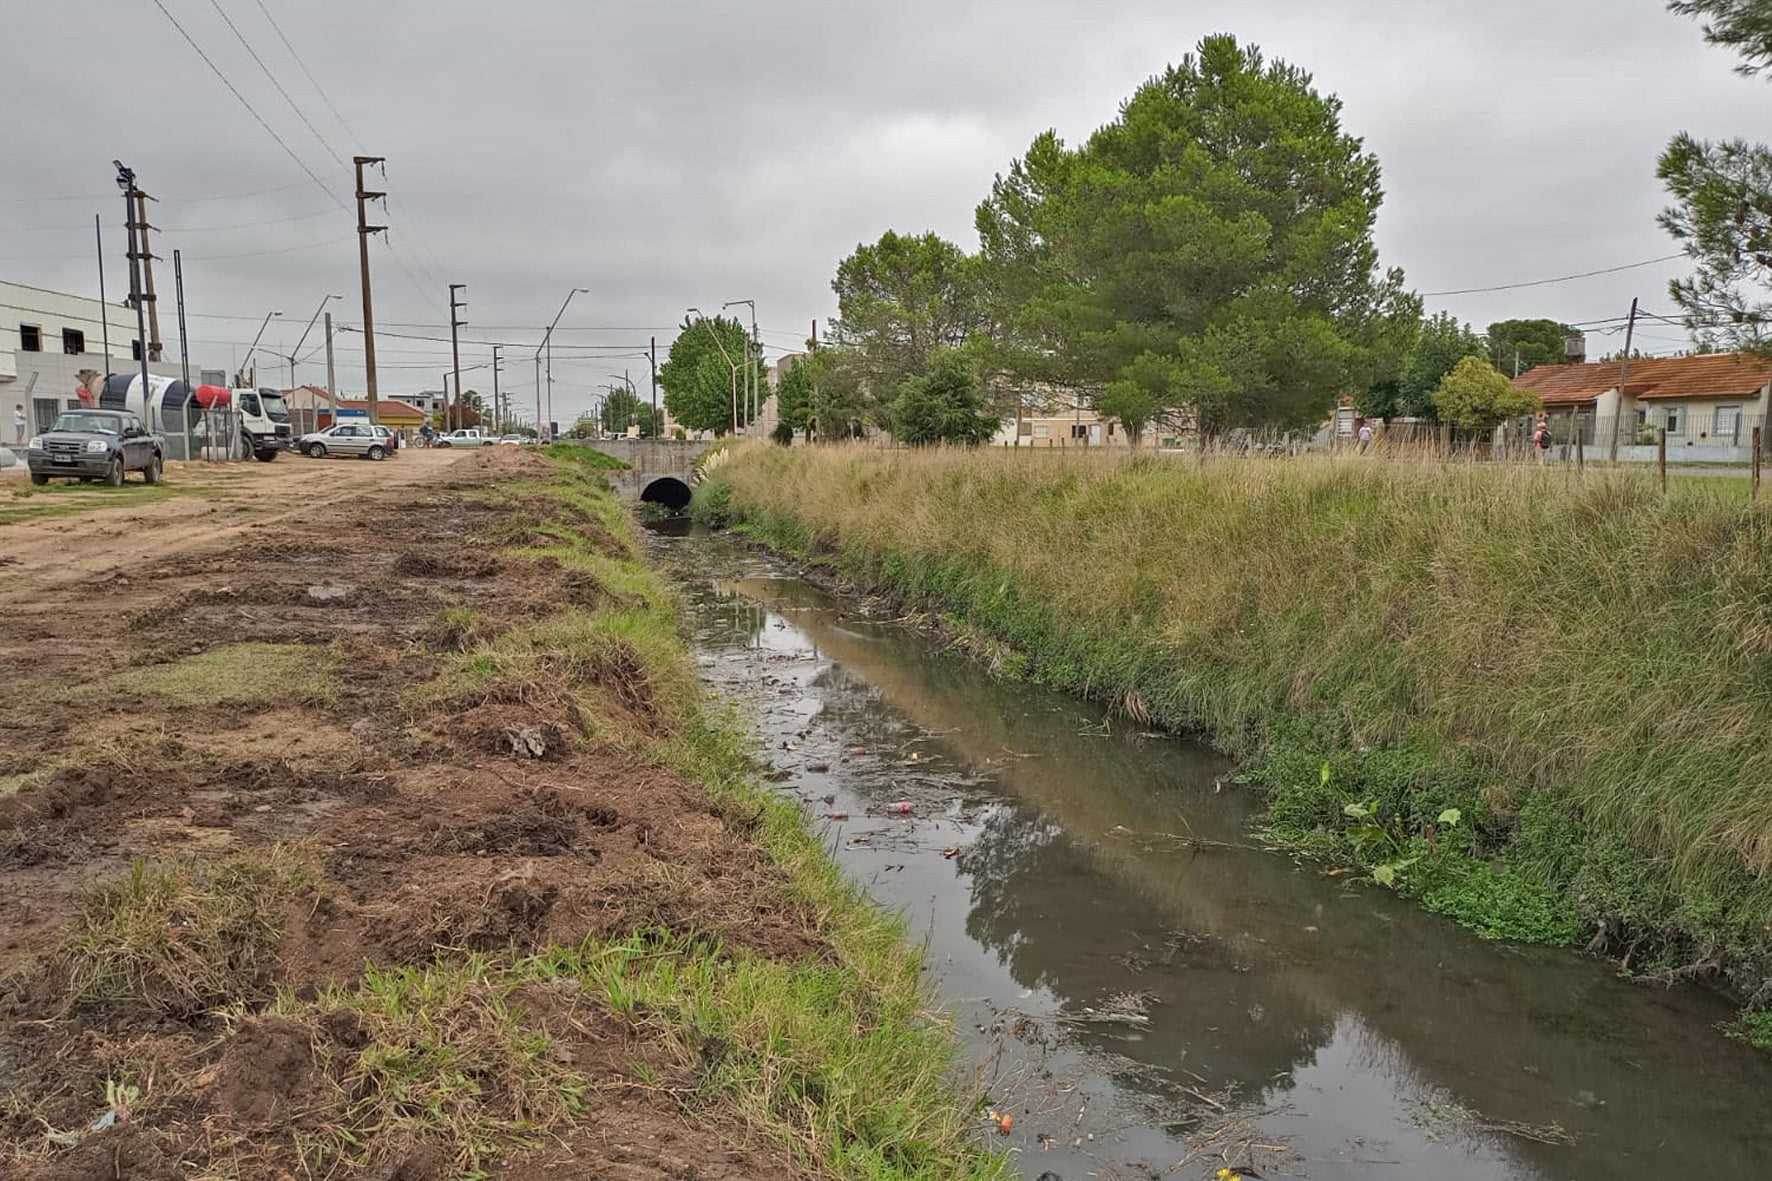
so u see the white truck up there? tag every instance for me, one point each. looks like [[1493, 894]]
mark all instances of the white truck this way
[[471, 436], [173, 408]]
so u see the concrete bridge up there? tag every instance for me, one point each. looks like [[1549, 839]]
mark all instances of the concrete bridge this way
[[660, 471]]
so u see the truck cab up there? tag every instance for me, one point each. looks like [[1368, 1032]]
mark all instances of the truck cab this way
[[264, 423], [471, 436]]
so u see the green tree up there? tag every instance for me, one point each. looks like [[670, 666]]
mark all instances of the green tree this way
[[1476, 396], [1742, 25], [944, 405], [1441, 342], [698, 376], [623, 408], [583, 426], [1209, 251], [793, 396], [1527, 343], [1723, 217], [901, 299]]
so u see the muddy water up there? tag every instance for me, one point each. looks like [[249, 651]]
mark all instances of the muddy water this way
[[1150, 995]]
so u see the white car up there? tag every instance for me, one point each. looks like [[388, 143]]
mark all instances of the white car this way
[[347, 438], [471, 436]]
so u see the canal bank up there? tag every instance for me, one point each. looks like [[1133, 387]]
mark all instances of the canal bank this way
[[1529, 702], [1149, 995]]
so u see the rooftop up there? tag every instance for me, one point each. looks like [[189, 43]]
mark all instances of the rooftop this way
[[1702, 375]]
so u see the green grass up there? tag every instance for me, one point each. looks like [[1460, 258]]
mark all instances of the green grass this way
[[584, 456], [237, 676], [1578, 666], [27, 502]]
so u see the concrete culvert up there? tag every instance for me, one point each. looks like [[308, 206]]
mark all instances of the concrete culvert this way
[[668, 491]]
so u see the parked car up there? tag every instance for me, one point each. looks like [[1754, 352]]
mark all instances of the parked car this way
[[347, 438], [471, 436], [514, 440], [95, 445]]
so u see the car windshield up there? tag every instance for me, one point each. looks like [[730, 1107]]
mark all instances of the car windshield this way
[[91, 424], [275, 409]]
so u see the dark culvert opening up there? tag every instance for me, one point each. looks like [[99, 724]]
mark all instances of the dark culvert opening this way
[[669, 491]]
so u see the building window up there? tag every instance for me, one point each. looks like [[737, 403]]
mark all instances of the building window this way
[[30, 338], [1674, 420], [135, 350], [1727, 424], [73, 341], [1079, 431], [1042, 430]]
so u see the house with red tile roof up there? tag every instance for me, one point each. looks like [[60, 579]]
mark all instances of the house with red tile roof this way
[[1709, 403]]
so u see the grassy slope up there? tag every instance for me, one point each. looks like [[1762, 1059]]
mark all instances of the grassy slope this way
[[1578, 670], [836, 1056]]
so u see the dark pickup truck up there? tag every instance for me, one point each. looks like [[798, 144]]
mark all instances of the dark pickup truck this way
[[95, 445]]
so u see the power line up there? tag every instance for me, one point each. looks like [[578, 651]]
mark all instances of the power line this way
[[171, 197], [250, 109], [1559, 279], [266, 70], [303, 67]]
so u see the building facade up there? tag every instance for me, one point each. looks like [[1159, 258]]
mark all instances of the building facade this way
[[52, 343], [1708, 403]]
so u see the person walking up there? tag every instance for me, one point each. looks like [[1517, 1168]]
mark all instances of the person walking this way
[[1541, 440], [1365, 436], [18, 423]]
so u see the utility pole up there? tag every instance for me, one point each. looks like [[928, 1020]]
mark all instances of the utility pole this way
[[1630, 329], [104, 309], [817, 409], [538, 395], [178, 283], [497, 420], [142, 227], [652, 356], [364, 229], [455, 324], [331, 388], [126, 182]]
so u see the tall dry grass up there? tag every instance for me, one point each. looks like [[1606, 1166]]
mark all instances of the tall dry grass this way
[[1585, 636]]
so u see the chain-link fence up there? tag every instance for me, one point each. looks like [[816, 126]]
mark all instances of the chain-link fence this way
[[213, 436]]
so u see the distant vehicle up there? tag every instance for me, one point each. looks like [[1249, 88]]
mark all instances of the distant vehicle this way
[[95, 445], [471, 436], [514, 440], [347, 438]]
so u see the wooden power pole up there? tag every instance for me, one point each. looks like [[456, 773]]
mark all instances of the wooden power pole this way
[[364, 229], [455, 323], [1630, 331], [155, 348]]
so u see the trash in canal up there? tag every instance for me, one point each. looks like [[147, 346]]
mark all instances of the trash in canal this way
[[836, 815], [903, 807]]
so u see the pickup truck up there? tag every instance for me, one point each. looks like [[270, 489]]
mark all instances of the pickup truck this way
[[95, 445], [471, 436]]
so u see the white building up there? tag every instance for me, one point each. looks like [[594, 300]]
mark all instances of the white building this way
[[49, 338]]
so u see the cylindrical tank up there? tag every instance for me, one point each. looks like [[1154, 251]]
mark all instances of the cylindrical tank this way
[[123, 391]]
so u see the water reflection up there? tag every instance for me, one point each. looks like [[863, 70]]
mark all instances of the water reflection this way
[[1057, 864]]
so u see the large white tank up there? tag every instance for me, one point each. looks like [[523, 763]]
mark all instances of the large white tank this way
[[123, 391]]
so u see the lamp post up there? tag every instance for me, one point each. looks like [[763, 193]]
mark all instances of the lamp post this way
[[240, 376], [750, 372], [126, 182], [623, 378], [547, 344], [722, 347], [304, 337]]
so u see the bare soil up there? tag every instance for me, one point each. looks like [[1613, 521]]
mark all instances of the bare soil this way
[[430, 832]]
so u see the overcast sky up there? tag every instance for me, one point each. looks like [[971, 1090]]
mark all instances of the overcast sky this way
[[669, 153]]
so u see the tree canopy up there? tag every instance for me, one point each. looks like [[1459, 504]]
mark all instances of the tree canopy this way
[[1476, 396], [944, 405], [1742, 25], [794, 391], [1439, 343], [623, 408], [1208, 252], [1722, 215], [901, 299], [1528, 343], [698, 375]]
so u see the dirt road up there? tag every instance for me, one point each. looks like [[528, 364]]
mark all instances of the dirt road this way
[[328, 714]]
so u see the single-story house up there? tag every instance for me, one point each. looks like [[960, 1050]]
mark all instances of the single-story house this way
[[1709, 403], [312, 408]]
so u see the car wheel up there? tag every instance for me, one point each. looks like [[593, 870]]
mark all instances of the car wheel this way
[[114, 474], [317, 450], [442, 443], [377, 452], [265, 456], [151, 473], [39, 479]]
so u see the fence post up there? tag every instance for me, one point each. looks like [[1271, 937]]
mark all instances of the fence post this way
[[1754, 493], [1580, 464], [1661, 454]]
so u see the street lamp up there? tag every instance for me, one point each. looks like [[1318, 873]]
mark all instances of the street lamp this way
[[632, 392], [304, 337], [240, 375], [750, 373], [547, 343]]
